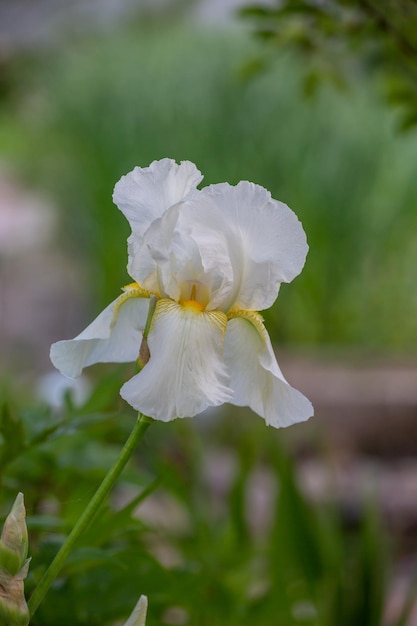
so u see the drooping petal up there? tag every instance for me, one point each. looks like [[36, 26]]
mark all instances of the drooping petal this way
[[144, 194], [265, 241], [113, 337], [186, 372], [256, 379]]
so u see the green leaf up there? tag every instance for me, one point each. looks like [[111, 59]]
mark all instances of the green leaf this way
[[45, 523], [13, 435]]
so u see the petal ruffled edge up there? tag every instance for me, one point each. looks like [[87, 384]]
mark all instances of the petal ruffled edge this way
[[266, 241], [113, 337], [256, 379], [145, 193], [186, 372]]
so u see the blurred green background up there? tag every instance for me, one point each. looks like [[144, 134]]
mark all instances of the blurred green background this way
[[78, 110]]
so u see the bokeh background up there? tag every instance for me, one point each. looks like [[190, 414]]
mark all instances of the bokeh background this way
[[87, 92]]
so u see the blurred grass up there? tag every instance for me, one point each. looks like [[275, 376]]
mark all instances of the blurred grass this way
[[91, 113]]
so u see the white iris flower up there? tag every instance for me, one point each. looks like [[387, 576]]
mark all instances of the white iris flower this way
[[213, 258]]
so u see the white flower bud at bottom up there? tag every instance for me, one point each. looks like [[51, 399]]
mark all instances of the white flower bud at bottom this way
[[138, 616]]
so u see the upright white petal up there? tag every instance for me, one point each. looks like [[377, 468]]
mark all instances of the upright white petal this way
[[170, 258], [113, 337], [256, 379], [144, 194], [186, 372], [265, 241]]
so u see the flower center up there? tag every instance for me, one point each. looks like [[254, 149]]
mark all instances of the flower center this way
[[195, 298], [193, 305]]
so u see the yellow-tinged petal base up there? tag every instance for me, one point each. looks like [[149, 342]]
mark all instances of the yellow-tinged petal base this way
[[193, 305], [253, 317], [218, 318], [133, 290]]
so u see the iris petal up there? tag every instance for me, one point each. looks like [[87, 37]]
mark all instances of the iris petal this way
[[144, 194], [259, 240], [256, 379], [186, 372], [113, 337]]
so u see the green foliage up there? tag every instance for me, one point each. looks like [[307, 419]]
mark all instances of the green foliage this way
[[339, 37], [210, 559]]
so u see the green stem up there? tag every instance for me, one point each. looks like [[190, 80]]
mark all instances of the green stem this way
[[152, 306], [86, 518]]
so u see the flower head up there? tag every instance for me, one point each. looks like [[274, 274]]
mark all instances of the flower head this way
[[212, 258]]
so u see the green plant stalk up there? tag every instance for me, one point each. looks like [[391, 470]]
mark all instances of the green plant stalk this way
[[142, 424]]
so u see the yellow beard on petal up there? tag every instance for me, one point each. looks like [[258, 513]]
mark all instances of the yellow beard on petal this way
[[193, 305], [218, 318], [253, 317], [133, 290]]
